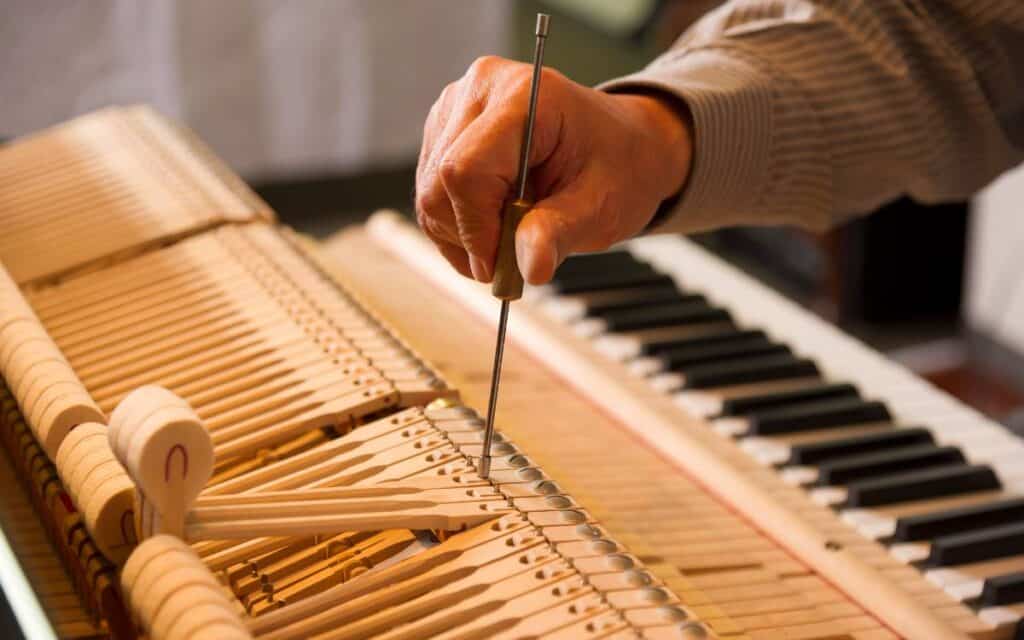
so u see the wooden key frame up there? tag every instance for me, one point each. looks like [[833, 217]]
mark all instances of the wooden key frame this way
[[252, 306], [108, 184], [555, 548], [166, 450]]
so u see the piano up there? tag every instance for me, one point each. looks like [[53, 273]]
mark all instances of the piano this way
[[215, 428]]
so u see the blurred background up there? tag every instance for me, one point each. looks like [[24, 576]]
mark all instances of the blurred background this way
[[320, 104]]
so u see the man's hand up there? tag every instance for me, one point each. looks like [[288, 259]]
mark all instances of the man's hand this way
[[599, 167]]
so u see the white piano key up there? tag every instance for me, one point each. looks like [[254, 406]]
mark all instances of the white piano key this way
[[730, 427], [644, 367], [565, 310], [667, 383], [618, 347], [697, 403], [827, 496], [965, 590], [765, 451], [798, 476], [998, 453], [998, 616], [536, 293], [590, 327], [882, 528], [861, 517], [944, 577], [909, 552]]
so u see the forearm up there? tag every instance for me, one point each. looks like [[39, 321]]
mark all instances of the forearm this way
[[806, 112]]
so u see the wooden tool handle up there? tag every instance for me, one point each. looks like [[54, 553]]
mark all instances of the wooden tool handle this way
[[508, 281]]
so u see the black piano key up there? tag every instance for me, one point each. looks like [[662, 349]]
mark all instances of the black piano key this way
[[645, 296], [658, 347], [925, 484], [1002, 590], [598, 270], [932, 525], [611, 280], [816, 415], [665, 315], [603, 261], [883, 463], [818, 452], [760, 369], [678, 359], [976, 546], [748, 404], [601, 310]]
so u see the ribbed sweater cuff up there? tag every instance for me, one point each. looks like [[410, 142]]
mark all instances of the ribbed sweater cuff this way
[[735, 175]]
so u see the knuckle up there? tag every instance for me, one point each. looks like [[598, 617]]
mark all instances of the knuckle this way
[[483, 65], [433, 228], [604, 230], [551, 76], [421, 203], [455, 172], [473, 234], [426, 204], [520, 79], [445, 96]]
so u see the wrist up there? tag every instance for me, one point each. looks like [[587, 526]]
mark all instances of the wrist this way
[[669, 128]]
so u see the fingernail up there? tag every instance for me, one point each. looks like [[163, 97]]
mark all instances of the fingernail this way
[[480, 269]]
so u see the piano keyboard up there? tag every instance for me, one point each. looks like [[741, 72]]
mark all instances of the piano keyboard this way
[[940, 485], [846, 435]]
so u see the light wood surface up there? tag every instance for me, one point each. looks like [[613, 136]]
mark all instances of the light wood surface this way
[[109, 184]]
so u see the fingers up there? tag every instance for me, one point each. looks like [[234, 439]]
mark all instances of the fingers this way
[[454, 254], [477, 173], [432, 204], [470, 156]]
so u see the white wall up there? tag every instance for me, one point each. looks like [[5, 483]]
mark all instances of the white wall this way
[[274, 86], [995, 271]]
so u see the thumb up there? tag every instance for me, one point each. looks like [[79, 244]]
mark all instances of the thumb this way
[[552, 230]]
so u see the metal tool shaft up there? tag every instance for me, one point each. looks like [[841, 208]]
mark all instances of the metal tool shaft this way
[[543, 20], [492, 403]]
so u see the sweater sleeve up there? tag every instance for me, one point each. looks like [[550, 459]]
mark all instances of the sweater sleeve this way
[[807, 112]]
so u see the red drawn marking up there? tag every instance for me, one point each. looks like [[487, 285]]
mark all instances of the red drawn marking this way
[[128, 526], [184, 462]]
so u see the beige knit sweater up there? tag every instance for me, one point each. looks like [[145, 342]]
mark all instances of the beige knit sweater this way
[[810, 111]]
